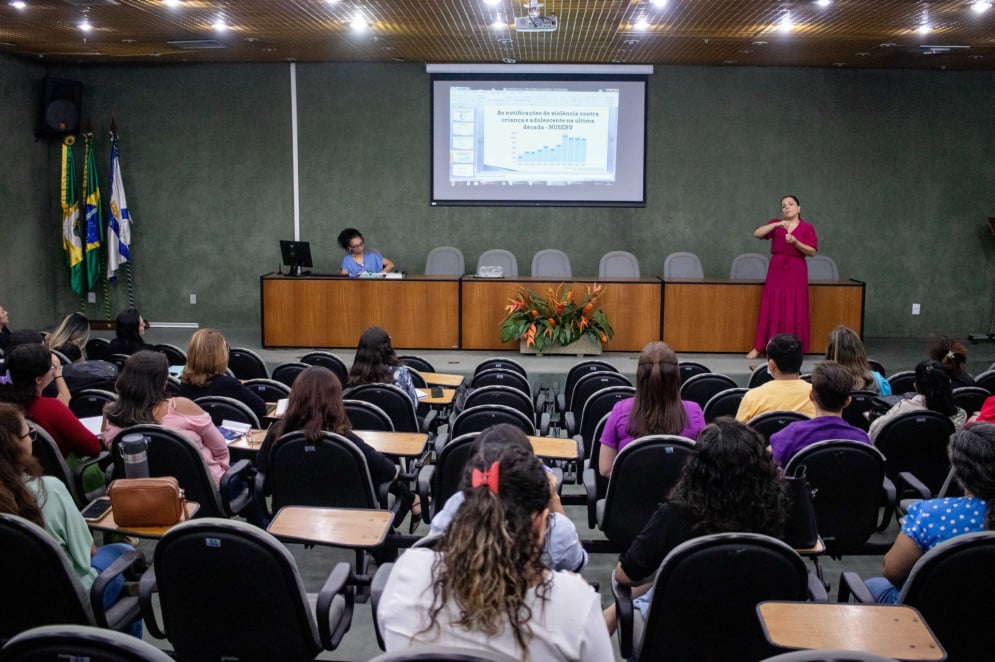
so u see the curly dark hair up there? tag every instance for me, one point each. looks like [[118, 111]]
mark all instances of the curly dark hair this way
[[375, 359], [972, 458], [490, 554], [730, 484], [346, 237]]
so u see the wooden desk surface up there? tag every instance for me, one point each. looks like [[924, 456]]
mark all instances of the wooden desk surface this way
[[896, 631], [107, 523], [819, 548], [400, 444], [337, 527], [554, 448], [442, 379], [443, 400]]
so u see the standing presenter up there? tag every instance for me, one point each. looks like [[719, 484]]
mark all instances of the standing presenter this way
[[784, 306], [357, 260]]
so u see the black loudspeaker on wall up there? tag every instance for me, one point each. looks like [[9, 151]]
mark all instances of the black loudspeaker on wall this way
[[62, 107]]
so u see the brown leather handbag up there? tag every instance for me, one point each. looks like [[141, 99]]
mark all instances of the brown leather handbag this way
[[147, 501]]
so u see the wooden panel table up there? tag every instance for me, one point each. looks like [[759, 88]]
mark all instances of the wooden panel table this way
[[442, 379], [896, 631], [396, 444], [336, 527], [316, 311], [440, 401], [720, 315], [554, 448], [107, 523], [631, 304]]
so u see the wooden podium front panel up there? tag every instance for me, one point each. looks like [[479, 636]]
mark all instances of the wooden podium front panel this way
[[632, 306], [721, 315], [419, 313]]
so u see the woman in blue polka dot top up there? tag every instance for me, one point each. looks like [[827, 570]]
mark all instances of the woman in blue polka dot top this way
[[931, 522]]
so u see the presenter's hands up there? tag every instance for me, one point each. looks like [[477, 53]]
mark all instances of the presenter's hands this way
[[790, 238]]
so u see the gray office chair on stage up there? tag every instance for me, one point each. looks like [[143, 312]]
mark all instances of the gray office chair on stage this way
[[683, 265], [445, 261], [749, 266], [618, 264], [822, 268], [551, 263], [498, 257]]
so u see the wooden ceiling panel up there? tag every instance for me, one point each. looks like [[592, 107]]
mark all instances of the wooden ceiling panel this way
[[851, 33]]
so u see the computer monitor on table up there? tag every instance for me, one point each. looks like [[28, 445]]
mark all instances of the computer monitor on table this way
[[296, 255]]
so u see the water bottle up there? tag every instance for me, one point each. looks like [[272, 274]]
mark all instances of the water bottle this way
[[134, 452]]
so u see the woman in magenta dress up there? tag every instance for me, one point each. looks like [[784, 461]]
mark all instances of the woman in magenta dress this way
[[784, 306]]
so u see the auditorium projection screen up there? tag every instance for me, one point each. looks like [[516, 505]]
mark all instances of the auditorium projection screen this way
[[538, 140]]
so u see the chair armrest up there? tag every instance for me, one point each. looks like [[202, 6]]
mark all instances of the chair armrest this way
[[888, 495], [591, 490], [426, 423], [146, 587], [259, 482], [125, 609], [544, 422], [103, 460], [383, 492], [424, 488], [561, 402], [244, 471], [336, 585], [907, 482], [376, 592], [569, 423], [440, 442], [623, 612], [852, 584], [816, 589]]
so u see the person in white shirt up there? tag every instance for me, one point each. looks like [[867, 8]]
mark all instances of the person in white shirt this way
[[485, 587]]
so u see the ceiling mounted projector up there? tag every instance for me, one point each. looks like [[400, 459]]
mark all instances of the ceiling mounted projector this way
[[536, 23]]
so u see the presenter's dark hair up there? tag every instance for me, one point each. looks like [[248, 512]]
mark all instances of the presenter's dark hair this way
[[375, 359], [657, 407], [933, 382], [831, 385], [785, 350], [346, 237], [793, 197], [126, 327]]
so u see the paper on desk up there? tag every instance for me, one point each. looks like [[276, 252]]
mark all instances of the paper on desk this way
[[92, 423], [281, 406], [421, 393]]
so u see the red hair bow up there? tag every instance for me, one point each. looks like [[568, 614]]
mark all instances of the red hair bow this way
[[488, 478]]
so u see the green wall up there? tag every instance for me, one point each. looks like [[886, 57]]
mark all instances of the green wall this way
[[895, 169]]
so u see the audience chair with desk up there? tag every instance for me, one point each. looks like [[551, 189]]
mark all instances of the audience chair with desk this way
[[330, 361], [723, 403], [80, 643], [703, 387], [246, 364]]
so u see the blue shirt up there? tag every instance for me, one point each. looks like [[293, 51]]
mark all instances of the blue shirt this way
[[372, 264], [933, 521]]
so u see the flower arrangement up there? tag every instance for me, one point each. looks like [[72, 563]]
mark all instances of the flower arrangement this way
[[559, 317]]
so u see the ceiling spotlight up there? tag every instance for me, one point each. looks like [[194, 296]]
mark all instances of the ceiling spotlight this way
[[823, 3], [659, 3], [499, 23], [978, 7], [220, 25], [18, 4], [924, 29], [491, 2], [85, 25], [358, 23], [642, 24], [171, 3], [785, 24], [331, 2]]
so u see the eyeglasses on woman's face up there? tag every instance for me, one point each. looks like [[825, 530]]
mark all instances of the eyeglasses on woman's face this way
[[357, 246], [31, 434]]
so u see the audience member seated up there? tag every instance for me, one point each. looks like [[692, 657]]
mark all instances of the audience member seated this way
[[315, 406], [933, 392], [129, 333], [952, 354], [141, 399], [44, 500], [357, 259], [33, 367], [830, 393], [846, 348], [787, 391], [730, 484], [972, 460], [204, 372], [657, 407], [377, 363], [562, 546], [4, 328], [485, 586], [69, 339], [987, 413]]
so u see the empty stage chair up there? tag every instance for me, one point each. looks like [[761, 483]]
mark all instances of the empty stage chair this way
[[618, 264], [683, 265], [246, 364], [723, 403], [701, 388], [822, 268], [51, 643], [551, 263], [497, 257], [327, 360], [445, 261], [749, 266]]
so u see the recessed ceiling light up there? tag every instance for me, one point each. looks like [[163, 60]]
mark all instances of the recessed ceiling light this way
[[823, 3], [509, 60], [499, 23], [785, 24], [358, 23], [18, 4], [659, 3], [981, 7], [491, 2], [642, 24], [220, 25], [760, 43], [85, 25], [172, 3], [923, 29]]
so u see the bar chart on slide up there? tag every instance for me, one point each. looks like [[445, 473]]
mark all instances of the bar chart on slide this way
[[568, 152], [537, 142]]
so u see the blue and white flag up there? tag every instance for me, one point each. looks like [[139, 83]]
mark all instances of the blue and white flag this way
[[119, 223]]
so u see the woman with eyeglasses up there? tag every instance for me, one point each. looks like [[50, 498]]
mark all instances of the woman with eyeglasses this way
[[357, 260], [33, 367], [205, 372], [129, 330], [45, 501]]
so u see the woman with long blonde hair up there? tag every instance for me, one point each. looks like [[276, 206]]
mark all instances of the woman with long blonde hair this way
[[846, 348], [205, 372]]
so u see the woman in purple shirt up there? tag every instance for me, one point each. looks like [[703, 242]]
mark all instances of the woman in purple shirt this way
[[656, 409]]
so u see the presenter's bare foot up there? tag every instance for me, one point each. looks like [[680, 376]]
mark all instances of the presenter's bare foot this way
[[753, 354]]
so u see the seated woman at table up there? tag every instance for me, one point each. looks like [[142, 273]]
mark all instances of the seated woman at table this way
[[657, 407], [485, 585], [45, 501], [972, 460], [141, 399], [129, 333], [729, 485], [315, 406], [32, 368], [933, 392], [562, 548], [377, 363], [846, 348], [204, 373], [357, 260]]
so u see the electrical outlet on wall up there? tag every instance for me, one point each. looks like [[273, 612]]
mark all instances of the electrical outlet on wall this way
[[91, 297], [193, 299], [915, 309]]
